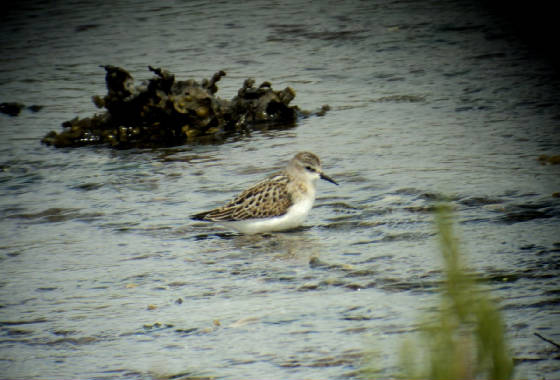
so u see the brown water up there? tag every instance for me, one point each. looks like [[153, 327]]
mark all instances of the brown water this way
[[102, 274]]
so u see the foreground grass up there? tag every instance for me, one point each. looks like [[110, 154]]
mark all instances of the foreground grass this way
[[465, 337]]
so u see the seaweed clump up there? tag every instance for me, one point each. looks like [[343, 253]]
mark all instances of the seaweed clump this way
[[169, 112]]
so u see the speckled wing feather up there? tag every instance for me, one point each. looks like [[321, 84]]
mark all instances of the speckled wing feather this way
[[265, 199]]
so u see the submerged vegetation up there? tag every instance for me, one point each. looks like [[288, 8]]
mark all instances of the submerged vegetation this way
[[464, 338]]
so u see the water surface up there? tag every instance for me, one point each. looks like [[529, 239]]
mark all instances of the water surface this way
[[104, 276]]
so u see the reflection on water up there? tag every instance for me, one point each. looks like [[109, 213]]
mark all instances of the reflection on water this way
[[103, 274]]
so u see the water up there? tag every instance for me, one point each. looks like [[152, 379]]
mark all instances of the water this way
[[104, 276]]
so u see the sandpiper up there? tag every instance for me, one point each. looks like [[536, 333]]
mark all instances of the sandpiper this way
[[279, 202]]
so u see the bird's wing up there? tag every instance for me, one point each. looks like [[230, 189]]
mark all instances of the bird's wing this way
[[267, 198]]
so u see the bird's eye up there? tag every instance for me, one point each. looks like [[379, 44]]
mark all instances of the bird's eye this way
[[311, 169]]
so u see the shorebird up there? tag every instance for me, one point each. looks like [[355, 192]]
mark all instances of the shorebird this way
[[279, 202]]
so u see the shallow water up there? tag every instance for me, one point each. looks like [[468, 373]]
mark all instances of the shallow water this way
[[104, 276]]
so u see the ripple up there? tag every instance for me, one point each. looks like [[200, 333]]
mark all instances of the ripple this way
[[57, 215], [22, 322]]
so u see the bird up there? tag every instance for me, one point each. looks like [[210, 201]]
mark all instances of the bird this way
[[279, 202]]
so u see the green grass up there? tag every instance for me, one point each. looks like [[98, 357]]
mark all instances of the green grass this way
[[464, 338]]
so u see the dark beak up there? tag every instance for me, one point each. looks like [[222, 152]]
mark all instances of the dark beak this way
[[327, 178]]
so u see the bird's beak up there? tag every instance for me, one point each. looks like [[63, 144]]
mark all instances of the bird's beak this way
[[327, 178]]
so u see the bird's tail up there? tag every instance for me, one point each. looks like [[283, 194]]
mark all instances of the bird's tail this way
[[200, 216]]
